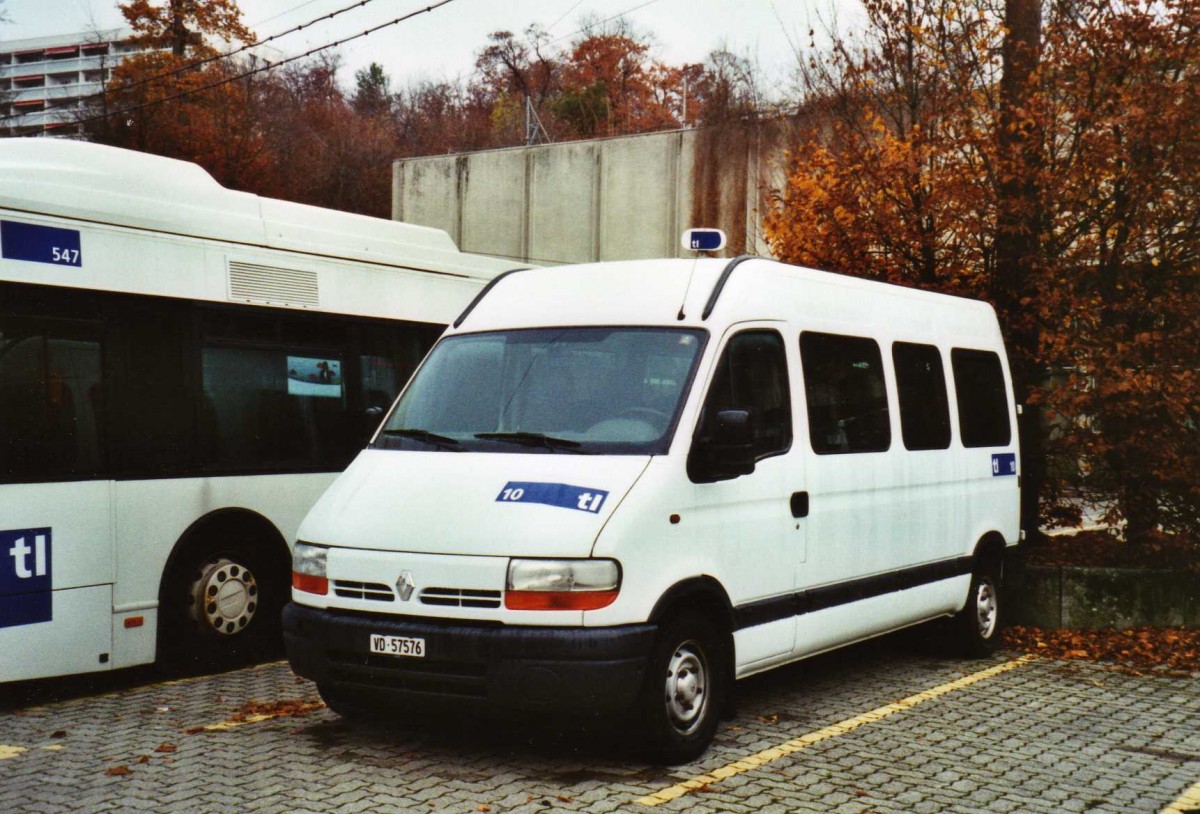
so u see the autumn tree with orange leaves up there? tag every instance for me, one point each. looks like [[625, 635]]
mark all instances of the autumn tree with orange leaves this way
[[918, 173], [175, 98]]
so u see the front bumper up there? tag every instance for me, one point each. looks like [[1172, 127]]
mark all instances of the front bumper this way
[[564, 669]]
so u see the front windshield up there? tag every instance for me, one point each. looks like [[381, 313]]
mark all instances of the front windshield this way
[[561, 390]]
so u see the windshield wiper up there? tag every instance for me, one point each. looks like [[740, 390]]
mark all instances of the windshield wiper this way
[[530, 439], [443, 441]]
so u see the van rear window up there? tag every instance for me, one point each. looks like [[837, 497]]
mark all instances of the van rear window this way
[[921, 386], [982, 398]]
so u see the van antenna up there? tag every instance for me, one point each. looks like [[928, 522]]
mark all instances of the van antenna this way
[[682, 316], [700, 241]]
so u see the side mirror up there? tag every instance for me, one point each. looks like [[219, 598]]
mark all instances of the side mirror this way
[[370, 422], [728, 453]]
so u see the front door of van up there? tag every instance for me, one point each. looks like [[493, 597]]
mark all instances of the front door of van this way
[[748, 518]]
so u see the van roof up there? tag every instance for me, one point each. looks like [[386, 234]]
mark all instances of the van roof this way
[[676, 292], [110, 185]]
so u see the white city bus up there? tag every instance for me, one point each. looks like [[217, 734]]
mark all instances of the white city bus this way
[[182, 370]]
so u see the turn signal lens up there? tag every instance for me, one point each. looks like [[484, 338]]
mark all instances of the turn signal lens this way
[[559, 600], [310, 584]]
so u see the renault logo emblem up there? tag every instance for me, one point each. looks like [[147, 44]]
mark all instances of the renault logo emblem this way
[[405, 586]]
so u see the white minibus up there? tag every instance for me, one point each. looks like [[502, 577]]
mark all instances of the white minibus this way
[[623, 486], [183, 369]]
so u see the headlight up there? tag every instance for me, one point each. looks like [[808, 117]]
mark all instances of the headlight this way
[[562, 584], [308, 568]]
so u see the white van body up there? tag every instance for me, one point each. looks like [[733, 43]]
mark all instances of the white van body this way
[[817, 547]]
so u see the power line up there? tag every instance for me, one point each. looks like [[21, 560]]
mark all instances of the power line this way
[[605, 20], [254, 71], [201, 62], [283, 13], [564, 15]]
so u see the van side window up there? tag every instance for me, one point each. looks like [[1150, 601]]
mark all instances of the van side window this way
[[921, 386], [982, 399], [847, 398], [752, 375]]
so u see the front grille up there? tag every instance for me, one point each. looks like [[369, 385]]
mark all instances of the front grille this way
[[445, 678], [460, 598], [373, 591]]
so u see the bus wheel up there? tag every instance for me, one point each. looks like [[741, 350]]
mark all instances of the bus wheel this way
[[978, 623], [684, 695], [221, 607], [223, 597]]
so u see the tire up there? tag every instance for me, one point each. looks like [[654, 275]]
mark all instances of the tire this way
[[221, 607], [340, 701], [686, 689], [978, 623]]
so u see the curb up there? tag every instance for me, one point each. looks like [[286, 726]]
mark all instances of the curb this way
[[1089, 598]]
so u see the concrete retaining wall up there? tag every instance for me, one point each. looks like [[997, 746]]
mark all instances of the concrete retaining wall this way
[[1067, 597], [606, 199]]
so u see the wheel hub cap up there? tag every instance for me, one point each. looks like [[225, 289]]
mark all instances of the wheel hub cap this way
[[686, 688], [224, 596], [985, 607]]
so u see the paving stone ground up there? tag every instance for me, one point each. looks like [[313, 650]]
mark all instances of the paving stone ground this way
[[1042, 737]]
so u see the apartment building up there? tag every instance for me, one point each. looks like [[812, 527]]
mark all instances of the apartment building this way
[[44, 80]]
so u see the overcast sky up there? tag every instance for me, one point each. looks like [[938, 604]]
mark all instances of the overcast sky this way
[[443, 43]]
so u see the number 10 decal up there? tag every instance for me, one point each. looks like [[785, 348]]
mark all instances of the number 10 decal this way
[[559, 495]]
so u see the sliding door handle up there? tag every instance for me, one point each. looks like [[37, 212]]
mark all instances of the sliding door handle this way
[[799, 504]]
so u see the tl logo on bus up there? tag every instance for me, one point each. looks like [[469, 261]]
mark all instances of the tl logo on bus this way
[[25, 580]]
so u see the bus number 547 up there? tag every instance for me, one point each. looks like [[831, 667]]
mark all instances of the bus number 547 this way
[[69, 256]]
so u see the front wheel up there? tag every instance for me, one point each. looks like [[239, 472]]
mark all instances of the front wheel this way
[[343, 703], [686, 687], [978, 623]]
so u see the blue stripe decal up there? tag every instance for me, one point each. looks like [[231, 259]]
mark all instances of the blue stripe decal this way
[[25, 577], [561, 495], [40, 244]]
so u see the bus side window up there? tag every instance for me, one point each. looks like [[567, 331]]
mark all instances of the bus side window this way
[[846, 394], [50, 399], [982, 398]]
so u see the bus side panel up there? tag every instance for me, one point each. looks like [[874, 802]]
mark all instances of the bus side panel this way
[[76, 641], [56, 574], [57, 532], [152, 515]]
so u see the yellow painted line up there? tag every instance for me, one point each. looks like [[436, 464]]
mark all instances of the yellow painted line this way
[[249, 719], [804, 741], [1190, 801], [11, 751]]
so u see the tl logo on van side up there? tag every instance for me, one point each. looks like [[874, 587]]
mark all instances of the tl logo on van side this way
[[405, 586]]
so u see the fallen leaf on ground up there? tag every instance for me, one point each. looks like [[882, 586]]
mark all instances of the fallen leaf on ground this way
[[1171, 649], [118, 771], [287, 708]]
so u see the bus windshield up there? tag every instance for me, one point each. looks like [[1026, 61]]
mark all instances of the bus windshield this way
[[615, 391]]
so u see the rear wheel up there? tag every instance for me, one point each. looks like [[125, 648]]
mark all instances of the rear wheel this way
[[686, 688], [221, 606], [978, 623]]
